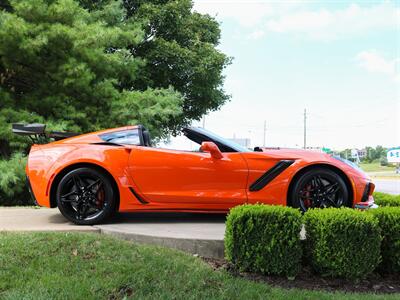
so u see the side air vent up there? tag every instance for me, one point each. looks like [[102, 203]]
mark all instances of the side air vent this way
[[140, 199], [270, 175]]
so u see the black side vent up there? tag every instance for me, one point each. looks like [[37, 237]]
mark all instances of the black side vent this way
[[140, 199], [270, 175]]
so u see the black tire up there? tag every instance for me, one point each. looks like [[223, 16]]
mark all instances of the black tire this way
[[319, 187], [85, 196]]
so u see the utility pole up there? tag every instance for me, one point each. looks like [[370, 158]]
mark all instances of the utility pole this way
[[204, 121], [305, 128], [265, 131]]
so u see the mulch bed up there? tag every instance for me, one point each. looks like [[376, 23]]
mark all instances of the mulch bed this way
[[307, 279]]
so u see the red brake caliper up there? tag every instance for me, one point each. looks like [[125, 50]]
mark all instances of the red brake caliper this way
[[307, 201], [100, 198]]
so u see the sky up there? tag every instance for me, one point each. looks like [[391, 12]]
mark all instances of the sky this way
[[339, 60]]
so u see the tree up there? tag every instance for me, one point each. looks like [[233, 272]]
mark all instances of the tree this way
[[345, 154], [5, 4], [374, 154], [64, 66], [150, 62], [87, 65], [179, 47]]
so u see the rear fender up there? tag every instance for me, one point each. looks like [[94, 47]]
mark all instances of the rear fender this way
[[54, 160]]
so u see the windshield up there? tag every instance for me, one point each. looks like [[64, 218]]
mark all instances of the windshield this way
[[218, 140]]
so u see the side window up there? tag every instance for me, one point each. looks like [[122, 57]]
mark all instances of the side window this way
[[126, 137]]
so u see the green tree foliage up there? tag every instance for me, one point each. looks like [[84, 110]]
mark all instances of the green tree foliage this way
[[87, 65], [62, 65], [373, 154], [72, 66], [179, 47], [12, 181]]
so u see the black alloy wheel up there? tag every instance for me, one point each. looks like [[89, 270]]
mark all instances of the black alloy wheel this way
[[85, 196], [319, 188]]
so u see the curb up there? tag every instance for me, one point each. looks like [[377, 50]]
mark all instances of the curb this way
[[205, 248]]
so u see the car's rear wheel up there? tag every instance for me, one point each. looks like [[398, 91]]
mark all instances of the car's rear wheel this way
[[319, 188], [86, 196]]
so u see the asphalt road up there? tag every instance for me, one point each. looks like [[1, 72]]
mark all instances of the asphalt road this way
[[387, 186]]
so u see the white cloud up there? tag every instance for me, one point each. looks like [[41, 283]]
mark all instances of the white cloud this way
[[331, 24], [374, 62], [246, 13], [257, 34], [294, 17]]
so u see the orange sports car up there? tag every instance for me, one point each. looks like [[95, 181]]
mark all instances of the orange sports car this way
[[90, 177]]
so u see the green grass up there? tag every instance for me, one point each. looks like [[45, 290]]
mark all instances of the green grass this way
[[377, 171], [91, 266], [376, 167]]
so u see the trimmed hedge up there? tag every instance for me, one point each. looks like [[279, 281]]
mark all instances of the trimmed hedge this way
[[389, 222], [264, 239], [342, 242], [383, 199]]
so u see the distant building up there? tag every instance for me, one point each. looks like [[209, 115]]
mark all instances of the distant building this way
[[362, 153], [245, 142], [358, 154]]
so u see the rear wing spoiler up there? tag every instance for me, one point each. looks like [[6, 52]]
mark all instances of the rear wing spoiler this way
[[37, 132]]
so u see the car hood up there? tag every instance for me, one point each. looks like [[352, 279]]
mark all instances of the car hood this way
[[308, 157]]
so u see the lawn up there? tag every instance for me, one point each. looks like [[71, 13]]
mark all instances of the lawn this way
[[376, 167], [375, 170], [91, 266]]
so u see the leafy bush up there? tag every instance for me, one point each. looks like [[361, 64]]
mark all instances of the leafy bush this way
[[384, 161], [383, 199], [389, 222], [266, 239], [342, 242], [13, 190]]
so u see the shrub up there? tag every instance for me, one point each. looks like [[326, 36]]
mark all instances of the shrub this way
[[383, 199], [383, 161], [342, 242], [13, 190], [389, 222], [265, 239]]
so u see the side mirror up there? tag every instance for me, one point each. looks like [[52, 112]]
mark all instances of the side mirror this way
[[212, 149]]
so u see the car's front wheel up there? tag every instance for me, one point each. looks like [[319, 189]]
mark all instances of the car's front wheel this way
[[319, 188], [85, 196]]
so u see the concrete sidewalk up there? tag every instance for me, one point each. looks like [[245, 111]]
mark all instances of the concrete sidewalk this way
[[201, 234], [37, 219]]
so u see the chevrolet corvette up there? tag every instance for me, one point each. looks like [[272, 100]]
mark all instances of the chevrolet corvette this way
[[92, 176]]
